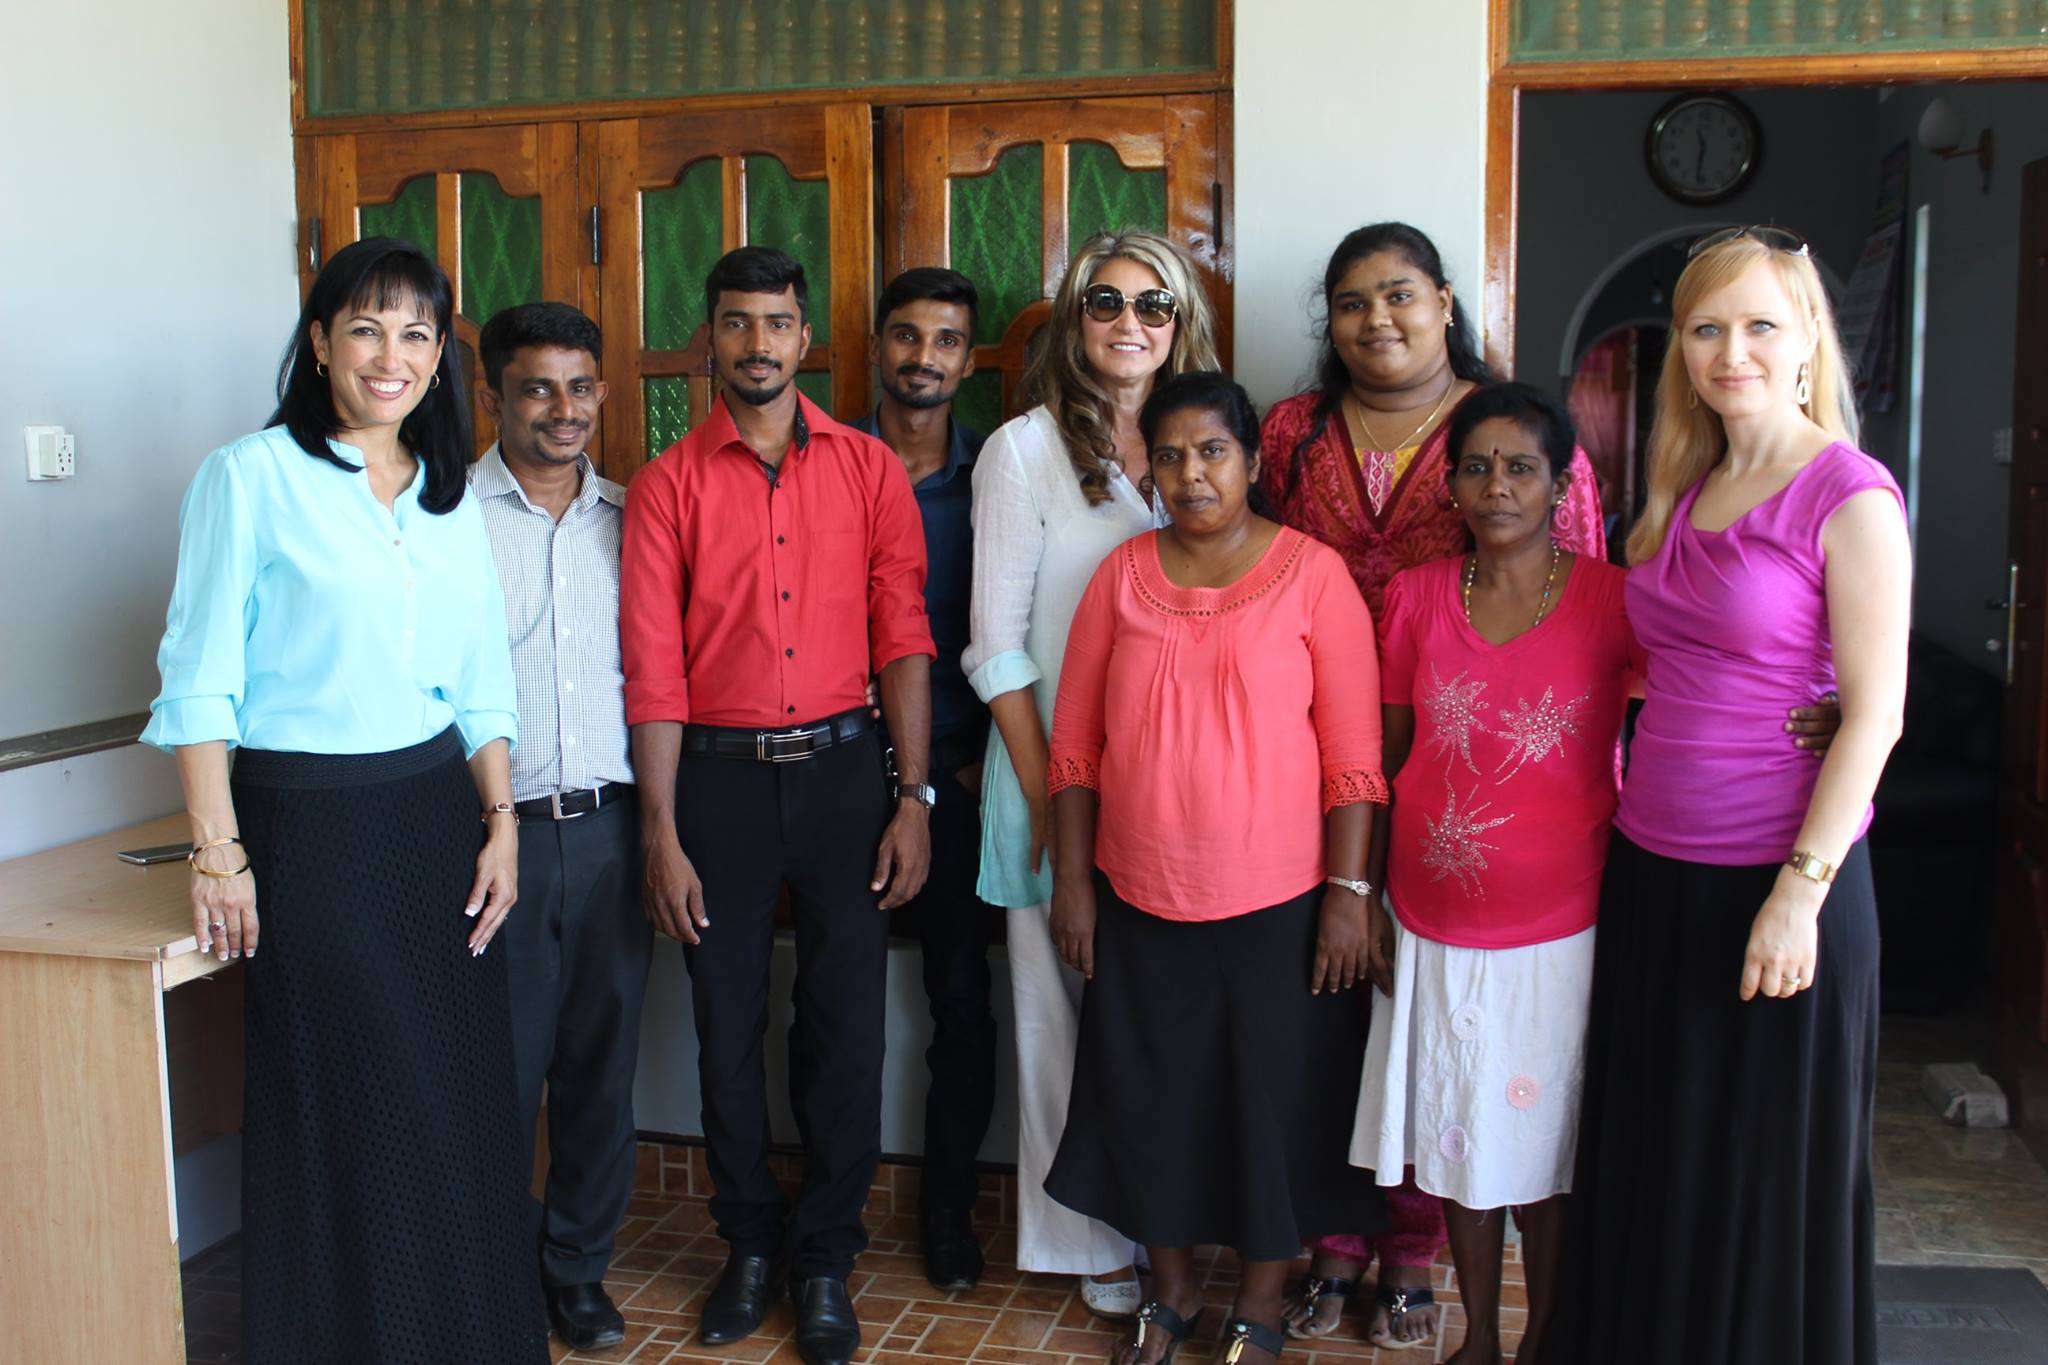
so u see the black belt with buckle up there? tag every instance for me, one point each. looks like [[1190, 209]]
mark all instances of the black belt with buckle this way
[[777, 746], [569, 805]]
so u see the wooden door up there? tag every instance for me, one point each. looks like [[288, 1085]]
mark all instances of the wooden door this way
[[1001, 192], [2021, 927], [498, 207], [676, 192]]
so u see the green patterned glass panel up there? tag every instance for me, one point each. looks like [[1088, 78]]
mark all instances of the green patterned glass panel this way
[[816, 385], [409, 217], [795, 216], [668, 413], [500, 248], [1624, 30], [391, 56], [979, 404], [998, 237], [1103, 195], [680, 235]]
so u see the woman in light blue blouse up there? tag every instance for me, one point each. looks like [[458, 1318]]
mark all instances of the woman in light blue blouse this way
[[337, 625]]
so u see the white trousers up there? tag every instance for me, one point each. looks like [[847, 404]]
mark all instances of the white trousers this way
[[1052, 1239]]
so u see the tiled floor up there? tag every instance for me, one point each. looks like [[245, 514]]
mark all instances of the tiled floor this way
[[1946, 1196]]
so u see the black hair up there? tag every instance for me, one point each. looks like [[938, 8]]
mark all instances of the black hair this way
[[1529, 408], [934, 282], [756, 270], [1461, 341], [380, 272], [1208, 391], [513, 329]]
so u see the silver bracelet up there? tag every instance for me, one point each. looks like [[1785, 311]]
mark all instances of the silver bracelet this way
[[1358, 888]]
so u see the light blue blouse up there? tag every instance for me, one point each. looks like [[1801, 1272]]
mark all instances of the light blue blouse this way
[[308, 618]]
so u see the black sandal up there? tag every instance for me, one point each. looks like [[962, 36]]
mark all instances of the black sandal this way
[[1400, 1301], [1314, 1290], [1153, 1313], [1239, 1333]]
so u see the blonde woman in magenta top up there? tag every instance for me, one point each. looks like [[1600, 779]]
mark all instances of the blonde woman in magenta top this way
[[1054, 491], [1722, 1206]]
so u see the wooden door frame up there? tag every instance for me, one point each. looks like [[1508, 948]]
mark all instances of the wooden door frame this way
[[1507, 79]]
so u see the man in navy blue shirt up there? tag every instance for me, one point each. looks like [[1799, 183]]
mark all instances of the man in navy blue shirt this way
[[924, 346]]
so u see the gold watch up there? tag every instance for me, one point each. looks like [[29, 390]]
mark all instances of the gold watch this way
[[1812, 867]]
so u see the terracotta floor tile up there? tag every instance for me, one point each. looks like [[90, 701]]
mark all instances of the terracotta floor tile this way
[[1020, 1330], [952, 1337]]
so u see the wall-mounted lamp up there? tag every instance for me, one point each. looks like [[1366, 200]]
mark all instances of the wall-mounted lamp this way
[[1941, 132]]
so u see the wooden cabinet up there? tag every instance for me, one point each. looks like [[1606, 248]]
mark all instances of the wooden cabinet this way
[[623, 216]]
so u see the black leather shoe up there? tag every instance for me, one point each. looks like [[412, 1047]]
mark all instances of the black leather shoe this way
[[952, 1258], [745, 1291], [827, 1332], [583, 1315]]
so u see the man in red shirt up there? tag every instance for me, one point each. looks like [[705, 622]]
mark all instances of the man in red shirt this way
[[773, 561]]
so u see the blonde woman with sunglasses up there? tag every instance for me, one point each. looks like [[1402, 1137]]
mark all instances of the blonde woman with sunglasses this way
[[1054, 491], [1722, 1207]]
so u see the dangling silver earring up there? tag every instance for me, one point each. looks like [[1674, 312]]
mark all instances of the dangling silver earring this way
[[1692, 397], [320, 368], [1804, 393], [1450, 321]]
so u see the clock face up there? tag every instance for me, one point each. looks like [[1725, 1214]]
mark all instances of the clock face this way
[[1702, 148]]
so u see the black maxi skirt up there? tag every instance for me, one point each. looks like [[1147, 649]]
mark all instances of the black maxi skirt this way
[[385, 1211], [1722, 1211], [1213, 1095]]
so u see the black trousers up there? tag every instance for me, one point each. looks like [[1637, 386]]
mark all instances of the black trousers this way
[[749, 828], [952, 930], [576, 949]]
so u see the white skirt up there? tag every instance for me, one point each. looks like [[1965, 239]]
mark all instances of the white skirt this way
[[1473, 1069]]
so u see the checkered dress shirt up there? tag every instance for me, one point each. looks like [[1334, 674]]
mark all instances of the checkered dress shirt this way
[[561, 586]]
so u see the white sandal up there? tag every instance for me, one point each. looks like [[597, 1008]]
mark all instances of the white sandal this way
[[1116, 1300]]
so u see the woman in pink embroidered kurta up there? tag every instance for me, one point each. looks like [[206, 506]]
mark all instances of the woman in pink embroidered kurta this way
[[1358, 463]]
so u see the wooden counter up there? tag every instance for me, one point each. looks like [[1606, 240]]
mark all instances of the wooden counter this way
[[99, 1091]]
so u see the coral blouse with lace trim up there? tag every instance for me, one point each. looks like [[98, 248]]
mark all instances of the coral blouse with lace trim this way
[[1217, 725]]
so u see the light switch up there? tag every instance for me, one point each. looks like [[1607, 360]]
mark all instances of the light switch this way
[[52, 453]]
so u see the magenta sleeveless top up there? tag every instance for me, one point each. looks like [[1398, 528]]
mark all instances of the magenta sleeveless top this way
[[1735, 627]]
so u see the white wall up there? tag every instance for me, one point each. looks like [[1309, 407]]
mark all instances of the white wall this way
[[1349, 112], [146, 280]]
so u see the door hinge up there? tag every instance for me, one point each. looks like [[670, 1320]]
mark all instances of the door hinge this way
[[313, 244], [595, 253]]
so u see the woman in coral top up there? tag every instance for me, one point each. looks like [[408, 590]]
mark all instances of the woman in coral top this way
[[1357, 462], [1722, 1206], [1218, 919], [1505, 673]]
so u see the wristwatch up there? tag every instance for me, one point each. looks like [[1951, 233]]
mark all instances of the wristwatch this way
[[924, 793], [1812, 867], [1358, 888]]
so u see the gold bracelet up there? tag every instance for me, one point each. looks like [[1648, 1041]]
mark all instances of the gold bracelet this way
[[192, 858], [1812, 867]]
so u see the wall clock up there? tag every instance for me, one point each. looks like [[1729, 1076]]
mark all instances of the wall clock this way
[[1703, 148]]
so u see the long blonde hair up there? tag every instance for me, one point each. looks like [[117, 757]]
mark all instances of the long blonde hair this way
[[1058, 374], [1686, 436]]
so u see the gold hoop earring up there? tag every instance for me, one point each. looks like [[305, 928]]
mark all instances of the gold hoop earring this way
[[320, 368], [1804, 393], [1692, 396], [434, 382]]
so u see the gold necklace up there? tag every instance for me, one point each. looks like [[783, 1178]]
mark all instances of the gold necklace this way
[[1358, 409], [1542, 605]]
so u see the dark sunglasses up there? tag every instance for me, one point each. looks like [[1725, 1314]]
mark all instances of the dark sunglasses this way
[[1776, 238], [1105, 303]]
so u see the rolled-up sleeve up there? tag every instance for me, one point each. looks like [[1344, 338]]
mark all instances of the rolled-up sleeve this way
[[897, 624], [203, 656], [1078, 727], [1009, 538], [652, 581], [486, 699], [1346, 706]]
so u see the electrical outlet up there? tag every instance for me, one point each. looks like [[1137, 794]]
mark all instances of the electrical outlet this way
[[2001, 446], [52, 453]]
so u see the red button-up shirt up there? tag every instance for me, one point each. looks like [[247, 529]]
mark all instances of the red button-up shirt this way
[[764, 601]]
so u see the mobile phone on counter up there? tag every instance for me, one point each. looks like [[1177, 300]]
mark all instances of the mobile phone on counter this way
[[162, 853]]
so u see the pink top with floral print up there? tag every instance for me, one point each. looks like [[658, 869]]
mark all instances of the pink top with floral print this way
[[1503, 805], [1218, 725]]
